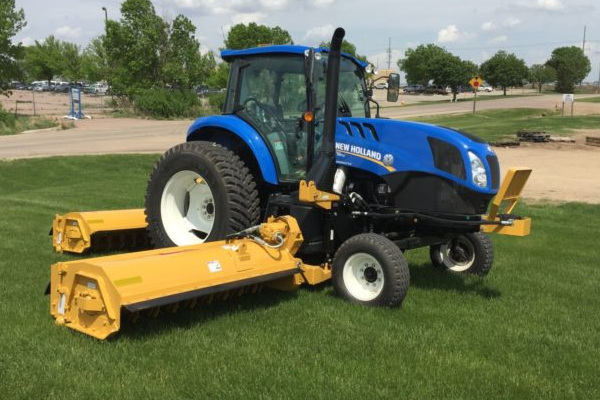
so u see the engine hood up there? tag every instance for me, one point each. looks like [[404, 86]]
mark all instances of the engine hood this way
[[384, 147]]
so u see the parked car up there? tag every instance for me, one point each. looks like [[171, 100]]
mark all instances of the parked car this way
[[485, 88], [203, 90], [62, 87], [18, 85], [40, 87], [436, 89], [381, 85], [96, 88], [414, 89]]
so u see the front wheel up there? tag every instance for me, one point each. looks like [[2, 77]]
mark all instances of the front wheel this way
[[469, 253], [370, 269]]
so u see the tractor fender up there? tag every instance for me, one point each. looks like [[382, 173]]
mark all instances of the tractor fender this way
[[205, 127]]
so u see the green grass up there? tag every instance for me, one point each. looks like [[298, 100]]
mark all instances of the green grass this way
[[529, 330], [494, 125], [446, 99], [590, 100], [10, 125]]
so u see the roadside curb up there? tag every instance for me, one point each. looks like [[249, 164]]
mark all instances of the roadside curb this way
[[56, 128]]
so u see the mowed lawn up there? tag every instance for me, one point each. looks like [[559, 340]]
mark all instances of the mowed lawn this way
[[529, 330], [496, 125]]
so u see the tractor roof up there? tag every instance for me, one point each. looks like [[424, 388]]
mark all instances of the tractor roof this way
[[230, 55]]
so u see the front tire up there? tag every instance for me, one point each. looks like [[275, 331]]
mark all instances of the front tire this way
[[370, 269], [199, 192], [469, 253]]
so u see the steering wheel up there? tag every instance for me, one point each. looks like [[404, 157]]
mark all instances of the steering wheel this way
[[266, 117]]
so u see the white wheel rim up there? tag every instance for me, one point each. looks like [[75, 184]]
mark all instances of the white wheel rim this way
[[363, 276], [452, 261], [187, 208]]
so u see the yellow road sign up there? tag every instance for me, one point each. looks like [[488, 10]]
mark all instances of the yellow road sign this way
[[475, 82]]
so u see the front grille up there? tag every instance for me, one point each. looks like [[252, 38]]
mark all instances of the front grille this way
[[494, 171], [447, 157]]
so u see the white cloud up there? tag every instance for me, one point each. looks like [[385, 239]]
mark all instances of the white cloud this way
[[209, 7], [488, 26], [246, 18], [318, 34], [27, 41], [540, 5], [451, 34], [274, 4], [550, 5], [510, 22], [68, 32], [498, 39], [321, 3]]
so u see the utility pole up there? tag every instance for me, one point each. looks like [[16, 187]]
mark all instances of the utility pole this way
[[598, 87], [389, 52], [105, 14], [583, 46]]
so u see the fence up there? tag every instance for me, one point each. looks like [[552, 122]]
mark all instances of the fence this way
[[30, 103]]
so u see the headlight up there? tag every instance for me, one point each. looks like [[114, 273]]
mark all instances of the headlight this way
[[478, 171]]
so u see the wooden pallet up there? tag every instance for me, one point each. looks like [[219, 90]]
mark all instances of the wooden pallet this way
[[592, 141], [534, 136]]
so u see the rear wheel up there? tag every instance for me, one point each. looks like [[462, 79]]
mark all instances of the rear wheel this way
[[469, 253], [370, 269], [199, 192]]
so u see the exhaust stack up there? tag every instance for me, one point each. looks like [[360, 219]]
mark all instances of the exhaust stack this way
[[323, 170]]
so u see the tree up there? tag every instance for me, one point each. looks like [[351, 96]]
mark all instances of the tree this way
[[540, 74], [184, 65], [449, 70], [94, 61], [219, 75], [11, 22], [504, 70], [145, 51], [432, 63], [571, 66], [51, 58], [418, 65], [347, 47], [135, 47], [243, 36]]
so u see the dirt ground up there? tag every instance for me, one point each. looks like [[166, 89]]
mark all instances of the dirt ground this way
[[561, 172]]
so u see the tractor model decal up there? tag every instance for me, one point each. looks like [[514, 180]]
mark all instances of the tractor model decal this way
[[367, 154]]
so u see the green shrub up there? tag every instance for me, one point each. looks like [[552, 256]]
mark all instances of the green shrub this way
[[7, 119], [160, 103], [216, 100]]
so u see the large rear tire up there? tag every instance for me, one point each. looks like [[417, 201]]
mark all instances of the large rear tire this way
[[469, 253], [199, 192], [370, 269]]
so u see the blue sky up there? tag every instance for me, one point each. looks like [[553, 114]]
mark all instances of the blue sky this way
[[471, 29]]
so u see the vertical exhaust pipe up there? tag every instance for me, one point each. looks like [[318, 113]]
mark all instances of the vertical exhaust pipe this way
[[323, 170]]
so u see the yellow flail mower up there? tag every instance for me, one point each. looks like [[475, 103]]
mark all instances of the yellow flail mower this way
[[289, 187], [88, 295]]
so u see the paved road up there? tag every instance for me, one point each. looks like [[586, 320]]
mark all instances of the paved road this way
[[549, 101], [97, 136]]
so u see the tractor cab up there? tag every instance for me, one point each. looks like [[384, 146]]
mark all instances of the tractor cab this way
[[280, 92]]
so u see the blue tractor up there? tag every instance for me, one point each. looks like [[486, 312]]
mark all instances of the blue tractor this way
[[299, 114]]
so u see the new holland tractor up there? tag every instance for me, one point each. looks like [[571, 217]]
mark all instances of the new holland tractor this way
[[297, 149]]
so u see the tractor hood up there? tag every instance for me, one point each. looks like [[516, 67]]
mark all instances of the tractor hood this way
[[390, 147]]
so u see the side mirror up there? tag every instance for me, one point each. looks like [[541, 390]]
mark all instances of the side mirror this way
[[393, 87]]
